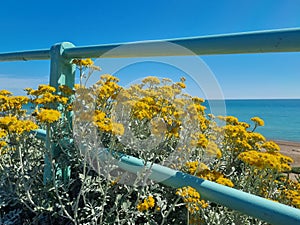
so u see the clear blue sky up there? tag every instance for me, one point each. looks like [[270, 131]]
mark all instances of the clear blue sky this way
[[27, 25]]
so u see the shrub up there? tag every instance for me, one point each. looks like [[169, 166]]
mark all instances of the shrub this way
[[155, 121]]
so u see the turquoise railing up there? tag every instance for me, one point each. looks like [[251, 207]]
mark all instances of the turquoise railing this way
[[62, 72]]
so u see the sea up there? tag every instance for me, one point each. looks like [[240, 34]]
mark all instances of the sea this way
[[281, 116]]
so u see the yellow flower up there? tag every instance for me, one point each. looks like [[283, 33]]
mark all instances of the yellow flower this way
[[225, 181], [146, 204], [151, 80], [266, 160], [194, 167], [270, 146], [2, 144], [106, 125], [45, 99], [231, 120], [181, 84], [12, 124], [255, 137], [233, 132], [3, 133], [28, 125], [83, 62], [191, 197], [108, 77], [196, 109], [198, 100], [258, 121], [48, 115], [292, 194], [99, 116], [215, 176], [5, 92], [108, 89], [202, 141], [13, 104], [44, 88]]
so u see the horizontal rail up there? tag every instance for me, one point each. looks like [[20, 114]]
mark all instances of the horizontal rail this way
[[283, 40], [25, 55], [252, 205]]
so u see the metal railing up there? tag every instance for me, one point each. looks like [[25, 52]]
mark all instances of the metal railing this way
[[62, 72]]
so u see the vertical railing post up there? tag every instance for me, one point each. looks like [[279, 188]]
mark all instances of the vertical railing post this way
[[62, 72]]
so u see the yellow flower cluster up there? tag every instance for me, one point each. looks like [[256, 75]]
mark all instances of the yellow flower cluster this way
[[12, 104], [229, 119], [146, 108], [194, 167], [160, 108], [107, 88], [155, 103], [11, 124], [164, 103], [105, 124], [48, 116], [3, 133], [195, 110], [192, 199], [235, 132], [291, 193], [258, 121], [151, 80], [237, 138], [270, 146], [266, 160], [254, 138], [181, 84], [199, 140], [83, 62], [215, 177], [2, 144], [42, 89], [293, 196], [198, 100], [45, 95], [5, 93], [201, 170], [146, 204]]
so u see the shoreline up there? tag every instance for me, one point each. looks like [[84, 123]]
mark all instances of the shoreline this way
[[291, 149], [287, 143]]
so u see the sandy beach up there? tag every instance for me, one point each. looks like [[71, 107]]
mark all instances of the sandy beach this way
[[291, 149]]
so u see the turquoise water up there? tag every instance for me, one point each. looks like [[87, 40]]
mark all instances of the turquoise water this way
[[281, 116]]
